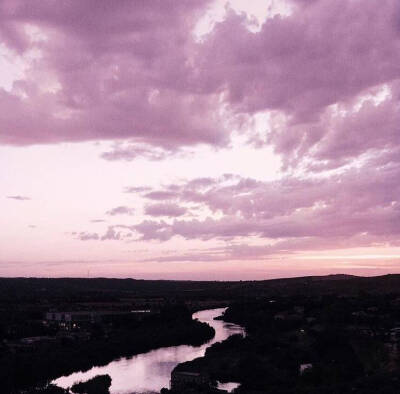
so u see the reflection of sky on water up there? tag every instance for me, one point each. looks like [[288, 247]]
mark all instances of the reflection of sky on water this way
[[149, 372], [228, 386]]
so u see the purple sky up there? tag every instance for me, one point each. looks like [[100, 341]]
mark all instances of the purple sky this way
[[199, 139]]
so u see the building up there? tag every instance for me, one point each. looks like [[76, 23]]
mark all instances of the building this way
[[71, 320], [80, 319]]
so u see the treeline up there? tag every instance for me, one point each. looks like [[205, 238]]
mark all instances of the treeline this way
[[32, 290]]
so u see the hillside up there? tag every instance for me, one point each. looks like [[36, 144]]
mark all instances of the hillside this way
[[42, 288]]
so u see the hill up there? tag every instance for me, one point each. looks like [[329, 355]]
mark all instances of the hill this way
[[23, 289]]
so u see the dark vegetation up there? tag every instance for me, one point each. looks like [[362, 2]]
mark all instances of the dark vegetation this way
[[56, 351], [98, 385], [334, 344], [28, 290]]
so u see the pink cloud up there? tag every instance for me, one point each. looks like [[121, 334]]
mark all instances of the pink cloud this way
[[119, 77], [111, 235], [133, 71], [121, 210], [358, 202], [170, 210], [324, 53], [246, 252], [129, 153], [137, 189], [161, 195], [85, 236]]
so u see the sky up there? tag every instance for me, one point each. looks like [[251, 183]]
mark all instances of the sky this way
[[201, 139]]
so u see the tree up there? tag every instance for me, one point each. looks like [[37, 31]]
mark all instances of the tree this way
[[98, 385]]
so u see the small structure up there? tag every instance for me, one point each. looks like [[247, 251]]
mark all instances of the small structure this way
[[305, 367], [71, 319], [81, 319], [181, 380]]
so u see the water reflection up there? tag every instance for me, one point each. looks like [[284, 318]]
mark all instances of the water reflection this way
[[229, 387], [149, 372]]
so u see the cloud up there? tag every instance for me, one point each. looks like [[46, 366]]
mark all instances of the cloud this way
[[303, 67], [121, 210], [242, 251], [358, 207], [85, 236], [133, 151], [161, 195], [111, 235], [170, 210], [19, 198], [134, 73], [137, 189], [120, 72], [361, 203]]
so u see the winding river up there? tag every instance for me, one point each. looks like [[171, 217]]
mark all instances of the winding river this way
[[151, 371]]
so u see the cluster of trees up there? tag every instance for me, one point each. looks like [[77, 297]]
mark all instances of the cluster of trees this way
[[98, 385]]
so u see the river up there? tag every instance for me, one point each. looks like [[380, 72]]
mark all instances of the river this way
[[151, 371]]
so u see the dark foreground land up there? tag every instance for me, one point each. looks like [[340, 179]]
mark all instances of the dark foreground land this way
[[333, 342], [334, 334], [39, 343]]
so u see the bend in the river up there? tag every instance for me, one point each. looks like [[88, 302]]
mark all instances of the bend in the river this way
[[151, 371]]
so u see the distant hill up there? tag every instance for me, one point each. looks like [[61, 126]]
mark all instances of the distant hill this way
[[332, 284], [33, 288], [335, 277]]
